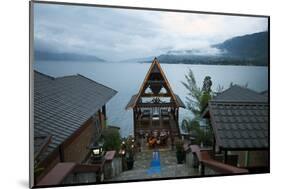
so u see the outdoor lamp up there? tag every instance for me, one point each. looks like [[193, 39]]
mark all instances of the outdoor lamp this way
[[97, 150]]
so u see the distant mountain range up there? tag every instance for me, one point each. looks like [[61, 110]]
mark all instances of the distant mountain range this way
[[139, 60], [43, 55], [249, 49]]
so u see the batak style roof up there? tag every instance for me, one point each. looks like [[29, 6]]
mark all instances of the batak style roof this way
[[63, 104], [239, 118], [155, 68]]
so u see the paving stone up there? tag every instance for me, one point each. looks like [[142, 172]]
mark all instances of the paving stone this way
[[169, 167]]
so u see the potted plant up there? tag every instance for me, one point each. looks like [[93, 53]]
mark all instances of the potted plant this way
[[130, 160], [180, 153], [128, 150]]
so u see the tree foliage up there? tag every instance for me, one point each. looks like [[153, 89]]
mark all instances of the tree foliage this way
[[112, 139], [197, 100], [193, 93]]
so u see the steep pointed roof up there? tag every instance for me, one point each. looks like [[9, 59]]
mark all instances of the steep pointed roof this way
[[155, 68]]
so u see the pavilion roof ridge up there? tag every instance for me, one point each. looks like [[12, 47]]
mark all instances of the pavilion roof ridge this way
[[154, 63]]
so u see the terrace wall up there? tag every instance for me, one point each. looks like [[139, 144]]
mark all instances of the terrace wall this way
[[77, 149]]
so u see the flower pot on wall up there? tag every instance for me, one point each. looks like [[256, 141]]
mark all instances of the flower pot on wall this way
[[130, 164], [180, 153], [180, 157]]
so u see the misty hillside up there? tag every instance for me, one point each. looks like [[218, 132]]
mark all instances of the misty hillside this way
[[254, 46], [249, 49]]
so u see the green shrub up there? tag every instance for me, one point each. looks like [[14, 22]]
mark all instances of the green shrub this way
[[179, 145], [206, 137], [111, 138]]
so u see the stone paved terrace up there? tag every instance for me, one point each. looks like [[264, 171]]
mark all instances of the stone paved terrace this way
[[169, 167]]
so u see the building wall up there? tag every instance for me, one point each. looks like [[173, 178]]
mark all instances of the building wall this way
[[74, 148], [103, 121], [255, 158], [241, 158], [258, 158], [77, 150]]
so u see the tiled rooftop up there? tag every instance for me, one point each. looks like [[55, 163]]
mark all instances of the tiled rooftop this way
[[62, 105], [240, 125], [239, 118]]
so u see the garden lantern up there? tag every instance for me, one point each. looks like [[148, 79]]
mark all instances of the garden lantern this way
[[97, 152]]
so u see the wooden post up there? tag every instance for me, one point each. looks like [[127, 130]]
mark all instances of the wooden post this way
[[177, 112], [214, 147], [104, 111], [202, 169], [134, 116], [104, 116], [177, 120], [100, 120], [246, 158], [61, 153], [225, 156]]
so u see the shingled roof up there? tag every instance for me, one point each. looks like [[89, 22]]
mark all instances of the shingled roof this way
[[239, 118], [237, 93], [63, 104]]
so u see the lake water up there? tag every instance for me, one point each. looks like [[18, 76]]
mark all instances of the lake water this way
[[127, 78]]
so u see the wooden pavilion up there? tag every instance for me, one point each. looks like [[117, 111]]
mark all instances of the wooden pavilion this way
[[155, 107]]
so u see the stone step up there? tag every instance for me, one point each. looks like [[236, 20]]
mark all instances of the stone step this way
[[179, 170]]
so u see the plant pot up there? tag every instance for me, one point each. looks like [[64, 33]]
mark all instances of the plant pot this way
[[180, 157], [130, 164], [195, 161]]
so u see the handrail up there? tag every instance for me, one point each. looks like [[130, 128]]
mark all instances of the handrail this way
[[57, 174], [205, 160]]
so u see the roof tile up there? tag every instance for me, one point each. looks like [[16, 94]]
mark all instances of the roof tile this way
[[62, 105], [242, 126]]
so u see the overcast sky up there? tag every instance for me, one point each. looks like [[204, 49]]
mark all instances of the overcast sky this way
[[119, 34]]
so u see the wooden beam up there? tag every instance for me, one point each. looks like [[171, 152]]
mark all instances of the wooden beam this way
[[57, 174], [150, 105], [155, 95], [155, 81]]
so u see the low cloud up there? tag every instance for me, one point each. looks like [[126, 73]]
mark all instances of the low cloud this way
[[116, 34]]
